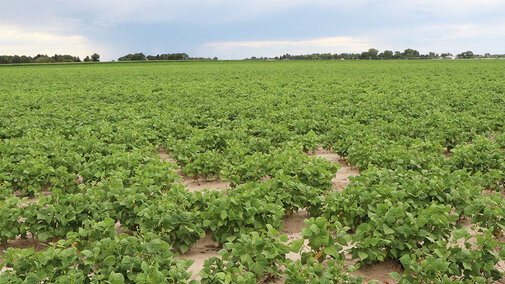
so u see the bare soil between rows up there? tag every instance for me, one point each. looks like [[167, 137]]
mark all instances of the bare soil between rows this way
[[206, 248], [293, 225]]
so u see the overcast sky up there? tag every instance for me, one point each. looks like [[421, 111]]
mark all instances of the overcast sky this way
[[235, 29]]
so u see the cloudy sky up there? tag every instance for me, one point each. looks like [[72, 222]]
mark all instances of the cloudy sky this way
[[234, 29]]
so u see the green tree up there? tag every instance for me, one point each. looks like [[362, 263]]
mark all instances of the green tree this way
[[370, 54], [410, 53], [134, 57], [398, 55], [386, 54], [466, 55], [95, 57], [42, 58]]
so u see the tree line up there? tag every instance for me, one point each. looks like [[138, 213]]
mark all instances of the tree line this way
[[370, 54], [374, 54], [139, 56], [44, 58]]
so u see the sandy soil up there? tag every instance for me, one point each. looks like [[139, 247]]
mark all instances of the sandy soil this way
[[201, 184], [165, 157], [467, 225], [474, 230], [376, 271], [341, 179], [293, 225], [447, 153], [191, 183], [21, 243], [493, 192], [379, 271], [203, 249], [29, 242], [501, 267], [36, 199]]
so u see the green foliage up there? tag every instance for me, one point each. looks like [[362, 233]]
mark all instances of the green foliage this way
[[426, 136], [314, 272], [97, 254], [176, 224], [241, 211], [323, 260], [325, 239], [255, 256], [463, 259], [10, 226]]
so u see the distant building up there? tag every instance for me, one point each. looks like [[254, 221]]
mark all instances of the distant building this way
[[451, 57]]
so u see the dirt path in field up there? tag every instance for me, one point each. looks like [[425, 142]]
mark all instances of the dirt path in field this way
[[201, 184], [474, 230], [28, 242], [203, 249], [293, 225], [193, 184], [341, 179], [377, 271]]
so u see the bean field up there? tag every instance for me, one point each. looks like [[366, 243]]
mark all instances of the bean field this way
[[253, 172]]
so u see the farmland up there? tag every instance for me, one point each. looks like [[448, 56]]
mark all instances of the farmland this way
[[277, 171]]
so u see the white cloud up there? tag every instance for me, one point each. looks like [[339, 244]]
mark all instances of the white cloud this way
[[465, 31], [457, 6], [480, 38], [15, 40], [241, 49]]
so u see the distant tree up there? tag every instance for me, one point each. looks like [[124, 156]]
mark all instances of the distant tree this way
[[87, 59], [95, 57], [445, 54], [42, 58], [65, 58], [132, 57], [370, 54], [432, 55], [172, 56], [386, 54], [398, 55], [411, 53], [138, 56], [466, 55], [286, 56]]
